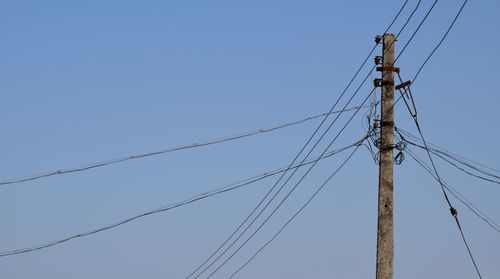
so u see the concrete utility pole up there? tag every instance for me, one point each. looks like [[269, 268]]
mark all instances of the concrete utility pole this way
[[385, 231]]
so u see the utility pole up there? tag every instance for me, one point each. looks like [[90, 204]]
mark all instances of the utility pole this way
[[385, 230]]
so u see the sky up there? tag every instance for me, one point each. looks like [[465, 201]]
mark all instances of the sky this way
[[87, 81]]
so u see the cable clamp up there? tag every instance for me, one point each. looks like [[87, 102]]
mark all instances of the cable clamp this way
[[453, 211]]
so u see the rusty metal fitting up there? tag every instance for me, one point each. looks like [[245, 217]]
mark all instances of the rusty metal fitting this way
[[388, 69], [403, 85]]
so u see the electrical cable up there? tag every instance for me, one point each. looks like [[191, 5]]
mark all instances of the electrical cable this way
[[192, 199], [456, 165], [289, 193], [296, 213], [437, 46], [414, 116], [452, 209], [270, 191], [441, 41], [398, 57], [220, 247], [398, 99], [417, 29], [454, 156], [455, 159], [300, 152], [457, 194], [168, 150]]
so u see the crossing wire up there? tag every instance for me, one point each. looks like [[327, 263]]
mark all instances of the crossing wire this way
[[407, 43], [287, 195], [450, 27], [220, 247], [442, 39], [298, 155], [296, 213], [452, 209]]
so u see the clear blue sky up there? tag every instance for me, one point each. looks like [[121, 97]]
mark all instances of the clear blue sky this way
[[85, 81]]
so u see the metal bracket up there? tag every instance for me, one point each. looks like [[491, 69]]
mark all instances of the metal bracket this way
[[386, 123], [388, 69], [379, 82], [403, 85]]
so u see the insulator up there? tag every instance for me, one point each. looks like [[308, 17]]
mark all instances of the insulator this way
[[378, 60], [377, 82], [378, 39]]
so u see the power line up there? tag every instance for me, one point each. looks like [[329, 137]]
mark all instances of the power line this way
[[296, 213], [230, 187], [450, 27], [277, 182], [446, 151], [272, 198], [411, 38], [416, 30], [168, 150], [436, 171], [395, 18], [474, 209], [414, 116], [476, 166], [413, 34], [450, 159], [442, 40], [411, 15], [270, 191], [227, 240], [452, 209], [289, 193]]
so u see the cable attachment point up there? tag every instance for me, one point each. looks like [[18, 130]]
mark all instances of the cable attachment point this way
[[403, 85], [378, 39], [378, 60], [378, 82], [453, 211], [388, 69], [405, 90]]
